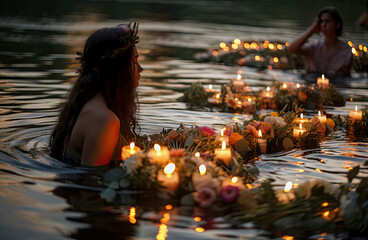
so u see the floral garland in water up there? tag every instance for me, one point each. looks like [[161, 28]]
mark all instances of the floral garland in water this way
[[200, 169], [270, 55], [237, 97]]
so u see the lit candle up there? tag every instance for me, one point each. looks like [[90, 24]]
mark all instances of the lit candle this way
[[128, 151], [223, 154], [158, 154], [168, 178], [322, 118], [356, 115], [210, 89], [262, 142], [238, 83], [323, 82], [298, 131], [285, 195], [284, 86], [301, 120], [233, 181], [266, 93], [221, 137], [214, 100], [200, 175]]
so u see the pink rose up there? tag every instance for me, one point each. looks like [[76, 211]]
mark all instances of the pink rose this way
[[229, 193], [207, 131], [206, 196]]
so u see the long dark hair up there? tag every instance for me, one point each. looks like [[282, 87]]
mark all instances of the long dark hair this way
[[106, 67]]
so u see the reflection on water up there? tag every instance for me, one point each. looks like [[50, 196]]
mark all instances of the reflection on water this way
[[37, 68]]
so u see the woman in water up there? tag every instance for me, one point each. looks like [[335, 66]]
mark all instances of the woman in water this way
[[98, 116], [329, 56]]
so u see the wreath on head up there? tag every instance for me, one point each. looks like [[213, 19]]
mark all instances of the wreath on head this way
[[127, 40]]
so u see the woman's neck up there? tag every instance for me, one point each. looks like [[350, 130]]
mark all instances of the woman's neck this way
[[331, 40]]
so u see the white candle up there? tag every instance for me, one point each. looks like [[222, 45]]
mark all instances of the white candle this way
[[298, 131], [210, 89], [158, 154], [223, 154], [356, 115], [221, 137], [238, 83], [301, 120], [201, 175], [267, 93], [169, 178], [129, 150], [323, 82], [262, 143], [322, 118], [233, 181]]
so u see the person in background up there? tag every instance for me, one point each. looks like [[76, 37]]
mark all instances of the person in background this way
[[329, 56], [98, 116]]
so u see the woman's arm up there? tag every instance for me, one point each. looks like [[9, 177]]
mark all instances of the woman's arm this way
[[100, 140], [296, 46]]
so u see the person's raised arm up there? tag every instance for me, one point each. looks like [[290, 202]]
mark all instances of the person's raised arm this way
[[296, 46], [99, 143]]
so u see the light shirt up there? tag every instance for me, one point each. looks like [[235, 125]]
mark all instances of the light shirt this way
[[334, 61]]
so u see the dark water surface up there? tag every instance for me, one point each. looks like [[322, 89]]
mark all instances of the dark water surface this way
[[42, 198]]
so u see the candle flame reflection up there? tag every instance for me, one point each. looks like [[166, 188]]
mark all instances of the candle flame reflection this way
[[132, 214]]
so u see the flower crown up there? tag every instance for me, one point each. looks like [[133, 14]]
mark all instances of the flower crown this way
[[127, 40]]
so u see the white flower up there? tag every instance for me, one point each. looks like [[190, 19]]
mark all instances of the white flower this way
[[276, 122], [134, 162]]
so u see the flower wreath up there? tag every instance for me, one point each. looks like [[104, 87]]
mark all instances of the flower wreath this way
[[127, 40]]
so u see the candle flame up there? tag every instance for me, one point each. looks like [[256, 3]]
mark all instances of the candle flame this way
[[288, 186], [223, 145], [132, 145], [257, 58], [197, 154], [197, 219], [249, 100], [325, 204], [222, 132], [210, 86], [284, 85], [323, 77], [301, 115], [234, 180], [259, 133], [298, 85], [237, 41], [239, 77], [356, 108], [222, 45], [300, 125], [217, 95], [275, 59], [319, 113], [268, 89], [199, 229], [202, 169], [157, 147], [169, 169]]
